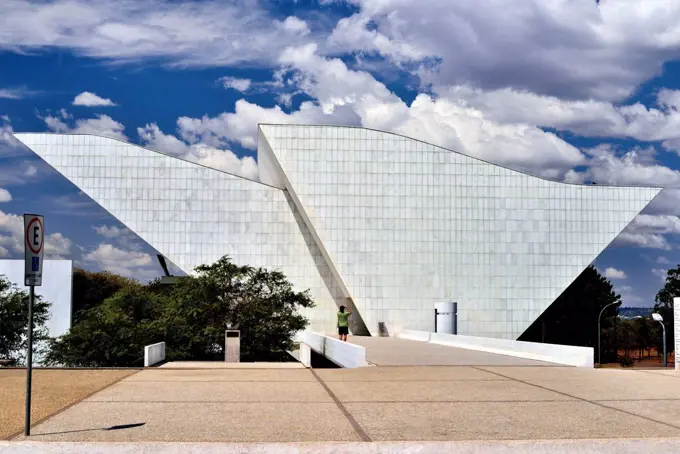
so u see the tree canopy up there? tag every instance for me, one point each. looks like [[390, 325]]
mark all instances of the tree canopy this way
[[664, 305], [572, 318], [14, 322], [190, 316]]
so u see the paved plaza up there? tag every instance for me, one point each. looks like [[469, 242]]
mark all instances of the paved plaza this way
[[374, 404]]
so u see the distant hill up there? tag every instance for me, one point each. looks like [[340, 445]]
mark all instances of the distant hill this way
[[633, 312]]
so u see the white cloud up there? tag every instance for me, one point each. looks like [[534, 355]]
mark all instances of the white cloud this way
[[649, 231], [295, 26], [199, 153], [565, 48], [5, 196], [235, 83], [102, 125], [110, 231], [662, 260], [211, 32], [344, 96], [31, 171], [12, 238], [125, 263], [91, 100], [660, 273], [613, 273], [14, 93]]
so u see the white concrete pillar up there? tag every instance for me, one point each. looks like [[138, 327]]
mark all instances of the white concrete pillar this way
[[676, 325]]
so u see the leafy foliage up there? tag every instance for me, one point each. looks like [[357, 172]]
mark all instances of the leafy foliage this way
[[191, 317], [14, 322], [572, 318], [664, 306], [92, 288]]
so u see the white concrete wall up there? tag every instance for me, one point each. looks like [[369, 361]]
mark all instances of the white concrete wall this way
[[676, 325], [194, 215], [154, 354], [553, 353], [407, 224], [56, 288], [341, 353], [392, 223]]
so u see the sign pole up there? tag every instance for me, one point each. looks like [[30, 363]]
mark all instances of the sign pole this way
[[33, 264], [29, 361]]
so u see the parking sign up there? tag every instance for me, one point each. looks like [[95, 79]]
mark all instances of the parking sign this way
[[33, 248]]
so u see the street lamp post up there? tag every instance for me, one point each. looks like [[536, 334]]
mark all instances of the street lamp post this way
[[659, 319], [599, 329]]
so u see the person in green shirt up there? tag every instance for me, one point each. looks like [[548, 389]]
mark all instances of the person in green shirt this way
[[343, 325]]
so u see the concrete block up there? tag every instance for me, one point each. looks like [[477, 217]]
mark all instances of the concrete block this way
[[154, 354]]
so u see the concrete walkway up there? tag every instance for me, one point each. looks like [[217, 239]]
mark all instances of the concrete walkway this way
[[376, 404], [394, 351]]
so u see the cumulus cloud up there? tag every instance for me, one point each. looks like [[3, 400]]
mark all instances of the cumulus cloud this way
[[200, 153], [91, 100], [345, 96], [5, 196], [235, 83], [110, 231], [133, 264], [566, 48], [101, 125], [12, 238], [613, 273], [649, 231]]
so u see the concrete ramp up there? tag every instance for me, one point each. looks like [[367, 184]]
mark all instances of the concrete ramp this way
[[393, 351]]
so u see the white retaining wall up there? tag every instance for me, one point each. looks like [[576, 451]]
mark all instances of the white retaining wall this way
[[343, 354], [553, 353], [154, 354], [676, 325]]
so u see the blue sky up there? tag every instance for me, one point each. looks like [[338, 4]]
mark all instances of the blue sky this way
[[570, 90]]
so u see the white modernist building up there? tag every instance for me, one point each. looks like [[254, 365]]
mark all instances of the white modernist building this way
[[382, 222]]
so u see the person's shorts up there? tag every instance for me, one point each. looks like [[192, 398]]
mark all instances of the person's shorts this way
[[343, 329]]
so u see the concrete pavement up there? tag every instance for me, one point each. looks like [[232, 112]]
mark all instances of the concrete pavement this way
[[375, 405]]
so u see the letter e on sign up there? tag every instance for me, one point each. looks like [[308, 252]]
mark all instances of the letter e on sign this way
[[33, 248]]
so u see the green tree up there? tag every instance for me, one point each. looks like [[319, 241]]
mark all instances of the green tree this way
[[92, 288], [112, 333], [572, 318], [191, 317], [664, 306], [14, 322]]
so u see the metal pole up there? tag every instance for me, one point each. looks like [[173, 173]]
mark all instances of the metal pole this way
[[29, 361], [435, 319], [455, 318], [599, 352], [665, 357]]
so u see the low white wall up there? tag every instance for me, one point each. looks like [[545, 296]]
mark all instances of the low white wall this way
[[154, 354], [410, 334], [552, 353], [343, 354]]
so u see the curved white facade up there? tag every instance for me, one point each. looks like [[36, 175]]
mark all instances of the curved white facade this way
[[391, 224]]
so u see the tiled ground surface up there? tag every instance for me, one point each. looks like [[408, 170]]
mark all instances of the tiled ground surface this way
[[435, 403]]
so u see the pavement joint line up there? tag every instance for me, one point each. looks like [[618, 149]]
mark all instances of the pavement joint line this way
[[353, 422], [223, 381], [593, 402], [72, 404], [315, 402]]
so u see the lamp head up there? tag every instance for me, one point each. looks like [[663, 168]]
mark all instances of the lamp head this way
[[657, 317]]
